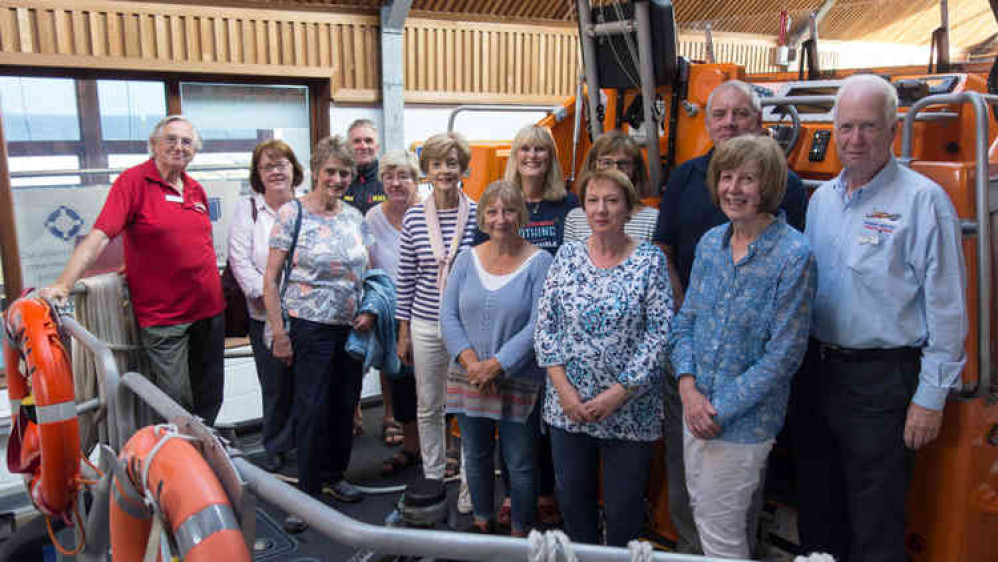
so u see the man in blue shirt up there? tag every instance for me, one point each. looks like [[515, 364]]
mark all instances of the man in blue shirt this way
[[685, 213], [888, 333]]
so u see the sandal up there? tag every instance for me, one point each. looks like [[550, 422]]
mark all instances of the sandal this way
[[358, 424], [391, 433], [547, 511], [453, 466], [399, 462]]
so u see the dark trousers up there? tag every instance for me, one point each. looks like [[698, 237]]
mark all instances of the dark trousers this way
[[327, 388], [277, 385], [853, 468], [625, 474], [188, 363]]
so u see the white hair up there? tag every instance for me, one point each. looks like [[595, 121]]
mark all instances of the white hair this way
[[166, 121], [870, 82], [742, 87]]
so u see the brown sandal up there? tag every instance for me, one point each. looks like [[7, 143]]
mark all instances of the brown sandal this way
[[399, 462], [391, 433]]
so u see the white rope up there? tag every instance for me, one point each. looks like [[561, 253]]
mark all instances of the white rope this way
[[545, 547], [640, 551], [104, 309]]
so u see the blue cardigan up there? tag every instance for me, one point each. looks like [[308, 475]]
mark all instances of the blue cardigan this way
[[376, 347], [497, 324]]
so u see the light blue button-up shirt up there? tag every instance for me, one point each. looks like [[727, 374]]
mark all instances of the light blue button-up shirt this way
[[891, 272], [743, 327]]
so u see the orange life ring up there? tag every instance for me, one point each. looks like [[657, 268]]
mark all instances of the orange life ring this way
[[162, 465], [46, 447]]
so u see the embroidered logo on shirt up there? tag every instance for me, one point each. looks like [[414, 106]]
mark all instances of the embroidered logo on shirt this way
[[876, 225]]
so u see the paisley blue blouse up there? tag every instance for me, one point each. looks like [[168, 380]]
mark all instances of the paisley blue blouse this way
[[607, 326]]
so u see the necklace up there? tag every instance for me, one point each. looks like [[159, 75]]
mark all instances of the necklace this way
[[534, 207]]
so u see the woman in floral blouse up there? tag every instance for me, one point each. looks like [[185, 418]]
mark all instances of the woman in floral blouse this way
[[321, 298], [602, 331], [739, 338]]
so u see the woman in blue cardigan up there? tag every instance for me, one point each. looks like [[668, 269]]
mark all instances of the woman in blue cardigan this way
[[488, 315]]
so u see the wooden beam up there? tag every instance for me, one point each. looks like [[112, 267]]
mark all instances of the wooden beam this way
[[91, 132], [10, 253]]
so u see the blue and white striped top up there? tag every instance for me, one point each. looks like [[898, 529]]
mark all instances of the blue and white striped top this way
[[417, 270]]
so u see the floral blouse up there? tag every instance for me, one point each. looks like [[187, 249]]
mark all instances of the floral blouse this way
[[327, 272], [607, 326], [743, 328]]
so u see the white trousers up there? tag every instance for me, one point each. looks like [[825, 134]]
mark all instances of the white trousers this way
[[430, 361], [721, 477]]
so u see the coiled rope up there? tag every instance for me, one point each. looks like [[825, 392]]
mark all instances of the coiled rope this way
[[104, 309], [545, 547]]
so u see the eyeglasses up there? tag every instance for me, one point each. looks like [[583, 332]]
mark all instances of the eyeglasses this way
[[397, 176], [173, 140], [622, 165], [275, 166]]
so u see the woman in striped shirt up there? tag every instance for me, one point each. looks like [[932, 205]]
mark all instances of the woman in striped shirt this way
[[432, 234], [617, 150]]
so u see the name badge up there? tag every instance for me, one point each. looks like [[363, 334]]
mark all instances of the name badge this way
[[175, 198]]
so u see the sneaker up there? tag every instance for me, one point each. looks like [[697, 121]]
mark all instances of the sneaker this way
[[294, 525], [343, 491], [464, 499], [272, 462]]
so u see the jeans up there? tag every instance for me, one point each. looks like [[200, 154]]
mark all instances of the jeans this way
[[430, 361], [518, 446], [327, 388], [625, 473], [277, 385], [188, 363]]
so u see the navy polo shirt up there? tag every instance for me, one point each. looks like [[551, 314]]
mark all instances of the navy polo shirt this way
[[686, 212]]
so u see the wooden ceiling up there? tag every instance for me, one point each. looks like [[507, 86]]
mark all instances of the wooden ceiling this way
[[890, 21]]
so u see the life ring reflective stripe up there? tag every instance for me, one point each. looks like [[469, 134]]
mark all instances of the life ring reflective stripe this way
[[49, 448], [172, 473], [202, 525]]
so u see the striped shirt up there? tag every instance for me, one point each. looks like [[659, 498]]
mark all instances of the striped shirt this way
[[641, 227], [417, 270]]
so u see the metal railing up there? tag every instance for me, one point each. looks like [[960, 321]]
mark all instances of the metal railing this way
[[120, 396], [558, 111], [979, 102]]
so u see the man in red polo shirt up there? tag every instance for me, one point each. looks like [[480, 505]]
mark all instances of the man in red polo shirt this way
[[162, 216]]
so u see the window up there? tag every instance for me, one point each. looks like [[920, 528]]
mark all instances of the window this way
[[234, 118]]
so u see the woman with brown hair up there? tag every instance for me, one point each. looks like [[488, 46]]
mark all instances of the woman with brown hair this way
[[274, 175]]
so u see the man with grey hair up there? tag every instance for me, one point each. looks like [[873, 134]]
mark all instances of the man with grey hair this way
[[163, 217], [366, 190], [888, 333], [686, 212]]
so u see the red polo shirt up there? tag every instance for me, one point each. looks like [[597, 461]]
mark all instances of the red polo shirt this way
[[169, 256]]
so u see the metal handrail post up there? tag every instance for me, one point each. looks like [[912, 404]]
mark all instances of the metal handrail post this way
[[108, 378], [415, 542], [979, 102]]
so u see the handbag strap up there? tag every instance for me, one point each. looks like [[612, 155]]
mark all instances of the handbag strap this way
[[291, 252]]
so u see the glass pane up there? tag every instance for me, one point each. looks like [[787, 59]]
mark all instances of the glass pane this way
[[130, 109], [233, 118], [39, 109], [43, 164]]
